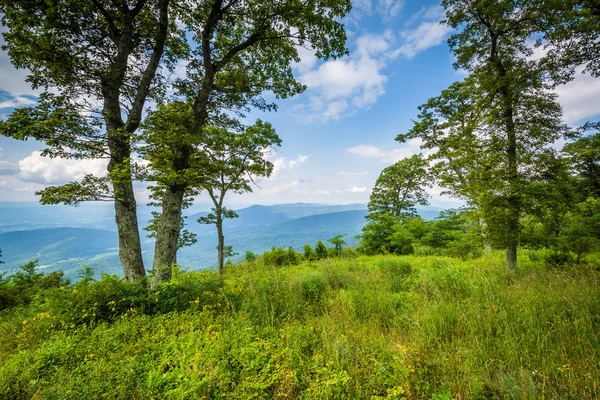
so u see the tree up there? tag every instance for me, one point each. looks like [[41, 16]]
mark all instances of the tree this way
[[320, 250], [451, 127], [385, 234], [522, 115], [584, 155], [400, 187], [570, 30], [338, 243], [308, 253], [97, 63], [1, 262], [240, 50], [233, 161]]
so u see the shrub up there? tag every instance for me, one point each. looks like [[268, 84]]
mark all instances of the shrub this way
[[280, 257], [250, 256], [308, 253], [321, 250]]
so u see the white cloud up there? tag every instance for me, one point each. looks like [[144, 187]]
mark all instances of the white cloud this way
[[426, 35], [17, 102], [280, 164], [580, 98], [388, 9], [37, 168], [12, 80], [299, 160], [281, 187], [387, 156], [342, 86], [357, 189], [308, 59]]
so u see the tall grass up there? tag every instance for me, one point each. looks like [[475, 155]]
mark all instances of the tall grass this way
[[381, 327]]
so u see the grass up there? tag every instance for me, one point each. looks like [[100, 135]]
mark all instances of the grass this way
[[384, 327]]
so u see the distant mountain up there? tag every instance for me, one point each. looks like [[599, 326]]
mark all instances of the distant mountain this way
[[61, 238], [66, 249]]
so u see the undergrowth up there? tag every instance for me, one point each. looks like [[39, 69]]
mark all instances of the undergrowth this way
[[382, 327]]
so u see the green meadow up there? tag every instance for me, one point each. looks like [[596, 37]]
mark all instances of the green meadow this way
[[379, 327]]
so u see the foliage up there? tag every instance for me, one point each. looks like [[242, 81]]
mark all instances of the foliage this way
[[320, 250], [371, 327], [400, 187], [338, 243], [22, 287]]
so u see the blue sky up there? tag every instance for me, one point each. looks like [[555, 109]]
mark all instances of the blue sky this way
[[338, 135]]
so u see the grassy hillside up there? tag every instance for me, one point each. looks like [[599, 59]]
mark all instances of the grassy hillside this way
[[367, 328]]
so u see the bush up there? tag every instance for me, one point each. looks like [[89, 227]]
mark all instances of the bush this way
[[321, 250], [22, 287], [308, 253], [280, 257], [250, 256]]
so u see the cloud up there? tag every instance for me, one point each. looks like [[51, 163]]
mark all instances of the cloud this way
[[357, 189], [12, 80], [342, 86], [579, 98], [388, 9], [347, 173], [17, 102], [280, 164], [282, 187], [387, 156], [298, 161], [426, 35], [36, 168]]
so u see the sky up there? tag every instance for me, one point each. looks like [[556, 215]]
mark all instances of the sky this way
[[338, 135]]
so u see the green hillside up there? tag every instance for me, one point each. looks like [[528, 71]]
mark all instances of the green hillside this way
[[382, 327]]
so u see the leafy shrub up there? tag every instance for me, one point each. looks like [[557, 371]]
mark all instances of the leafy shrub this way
[[250, 256], [22, 287], [308, 253], [321, 250], [280, 257]]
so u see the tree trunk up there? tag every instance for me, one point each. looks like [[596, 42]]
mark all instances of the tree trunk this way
[[221, 243], [514, 187], [487, 246], [167, 235], [130, 249], [514, 203]]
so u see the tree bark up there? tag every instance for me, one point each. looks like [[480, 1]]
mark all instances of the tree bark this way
[[130, 250], [167, 235], [221, 242]]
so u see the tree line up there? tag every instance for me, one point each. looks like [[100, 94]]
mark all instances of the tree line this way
[[491, 139]]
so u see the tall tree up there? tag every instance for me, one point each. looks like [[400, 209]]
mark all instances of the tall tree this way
[[493, 43], [400, 187], [97, 62], [450, 127], [241, 50], [234, 160], [160, 143]]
